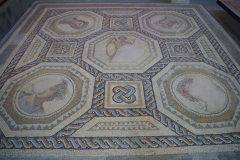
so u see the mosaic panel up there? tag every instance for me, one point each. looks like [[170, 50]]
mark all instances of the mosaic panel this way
[[62, 49], [42, 98], [121, 12], [118, 79], [208, 50], [139, 126], [205, 99], [168, 24], [73, 24], [119, 51], [180, 49], [32, 52], [124, 95], [121, 23]]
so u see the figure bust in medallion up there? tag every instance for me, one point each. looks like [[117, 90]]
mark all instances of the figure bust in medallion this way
[[42, 91], [75, 23]]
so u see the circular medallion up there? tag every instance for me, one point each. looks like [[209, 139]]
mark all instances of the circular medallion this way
[[200, 94], [74, 23], [168, 23], [44, 95]]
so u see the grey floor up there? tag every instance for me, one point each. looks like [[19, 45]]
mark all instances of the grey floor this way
[[219, 14], [192, 156]]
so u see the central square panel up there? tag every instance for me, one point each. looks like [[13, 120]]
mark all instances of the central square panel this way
[[125, 94]]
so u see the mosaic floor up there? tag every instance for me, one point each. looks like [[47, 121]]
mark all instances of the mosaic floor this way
[[119, 79]]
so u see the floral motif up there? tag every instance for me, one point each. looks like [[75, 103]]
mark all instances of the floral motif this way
[[180, 49], [62, 49]]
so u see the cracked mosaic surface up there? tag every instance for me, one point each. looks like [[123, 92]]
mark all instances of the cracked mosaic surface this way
[[142, 79]]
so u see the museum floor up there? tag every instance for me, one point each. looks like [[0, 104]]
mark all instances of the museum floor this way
[[120, 81]]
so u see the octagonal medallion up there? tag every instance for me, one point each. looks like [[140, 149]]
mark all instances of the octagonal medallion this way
[[118, 51], [200, 98], [168, 24], [44, 99], [76, 24]]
